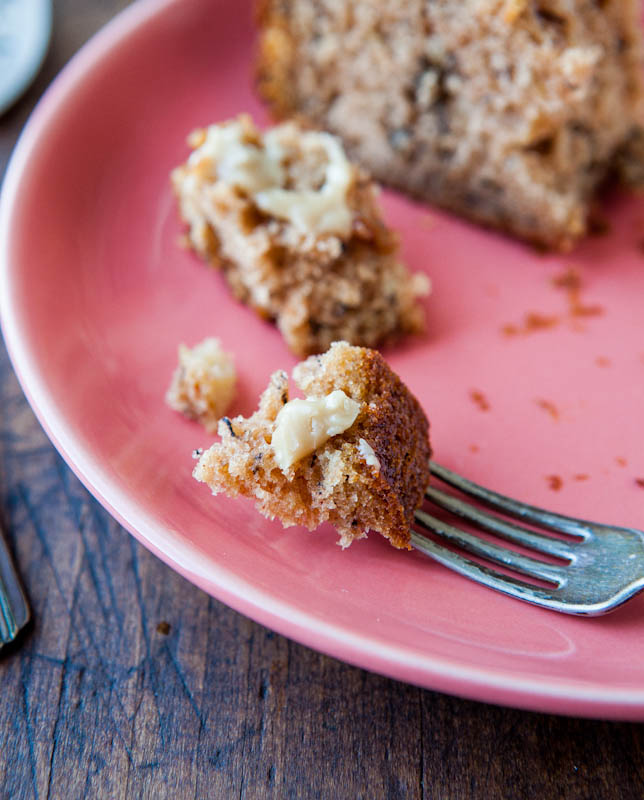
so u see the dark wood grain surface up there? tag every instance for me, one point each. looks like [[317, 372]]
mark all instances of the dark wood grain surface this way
[[133, 683]]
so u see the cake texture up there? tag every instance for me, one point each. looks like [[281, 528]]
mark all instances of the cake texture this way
[[298, 233], [371, 475], [512, 113], [203, 384]]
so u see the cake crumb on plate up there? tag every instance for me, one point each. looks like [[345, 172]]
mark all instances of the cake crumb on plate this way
[[203, 384], [298, 233]]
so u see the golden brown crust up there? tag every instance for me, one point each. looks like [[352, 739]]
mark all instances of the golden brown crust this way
[[395, 426], [275, 60]]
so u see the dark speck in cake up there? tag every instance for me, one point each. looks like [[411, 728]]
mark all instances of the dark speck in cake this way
[[230, 427]]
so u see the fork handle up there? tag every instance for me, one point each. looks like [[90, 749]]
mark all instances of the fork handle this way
[[14, 609]]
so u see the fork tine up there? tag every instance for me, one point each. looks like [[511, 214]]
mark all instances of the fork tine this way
[[550, 520], [485, 575], [14, 611], [511, 532], [481, 547]]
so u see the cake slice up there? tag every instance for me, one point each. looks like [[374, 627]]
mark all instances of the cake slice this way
[[354, 451], [297, 231], [510, 112]]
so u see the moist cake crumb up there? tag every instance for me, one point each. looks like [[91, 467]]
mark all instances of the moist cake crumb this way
[[370, 475], [512, 113], [298, 233], [203, 384]]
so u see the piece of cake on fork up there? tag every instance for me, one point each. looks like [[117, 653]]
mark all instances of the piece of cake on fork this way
[[354, 451], [298, 233], [512, 113]]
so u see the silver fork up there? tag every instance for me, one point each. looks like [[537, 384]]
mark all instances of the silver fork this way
[[601, 566], [14, 610]]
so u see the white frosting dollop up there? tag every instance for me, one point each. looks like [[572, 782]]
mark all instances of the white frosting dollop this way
[[301, 426], [258, 170]]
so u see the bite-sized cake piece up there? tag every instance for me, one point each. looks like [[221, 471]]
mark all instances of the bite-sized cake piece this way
[[509, 112], [298, 233], [203, 384], [354, 451]]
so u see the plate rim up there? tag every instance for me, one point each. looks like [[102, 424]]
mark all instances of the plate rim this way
[[577, 697]]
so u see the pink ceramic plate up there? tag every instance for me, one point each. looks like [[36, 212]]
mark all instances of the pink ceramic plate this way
[[531, 390]]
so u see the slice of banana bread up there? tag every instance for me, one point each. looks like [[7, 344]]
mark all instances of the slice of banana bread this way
[[299, 235], [509, 112], [355, 452]]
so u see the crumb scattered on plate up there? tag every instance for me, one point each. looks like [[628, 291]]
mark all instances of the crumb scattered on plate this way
[[203, 384]]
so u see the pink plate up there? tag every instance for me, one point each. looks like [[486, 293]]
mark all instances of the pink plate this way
[[530, 389]]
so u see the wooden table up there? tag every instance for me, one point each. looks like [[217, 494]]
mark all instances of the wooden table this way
[[133, 683]]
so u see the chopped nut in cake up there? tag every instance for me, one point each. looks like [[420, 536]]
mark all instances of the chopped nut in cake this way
[[297, 231], [510, 112], [203, 384], [354, 451]]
